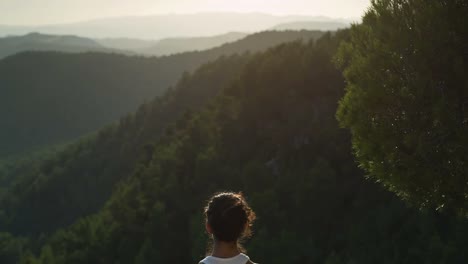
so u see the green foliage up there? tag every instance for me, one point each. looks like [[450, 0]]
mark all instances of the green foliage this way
[[11, 248], [406, 99], [272, 134]]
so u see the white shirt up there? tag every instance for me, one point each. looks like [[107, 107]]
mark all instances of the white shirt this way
[[239, 259]]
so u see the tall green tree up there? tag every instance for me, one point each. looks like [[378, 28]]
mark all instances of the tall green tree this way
[[406, 102]]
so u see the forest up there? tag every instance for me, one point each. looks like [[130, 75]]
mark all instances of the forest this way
[[95, 89], [351, 148]]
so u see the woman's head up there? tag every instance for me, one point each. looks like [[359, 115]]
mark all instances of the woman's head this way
[[228, 217]]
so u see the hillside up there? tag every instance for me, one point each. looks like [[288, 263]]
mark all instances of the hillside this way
[[50, 97], [67, 95], [312, 25], [261, 41], [179, 45], [170, 46], [42, 42], [270, 133], [98, 161], [126, 43]]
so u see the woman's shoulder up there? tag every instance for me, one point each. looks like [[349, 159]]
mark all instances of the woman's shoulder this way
[[248, 262], [239, 259]]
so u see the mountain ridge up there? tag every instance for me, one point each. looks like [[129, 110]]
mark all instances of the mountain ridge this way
[[311, 25], [178, 45], [165, 26], [35, 41]]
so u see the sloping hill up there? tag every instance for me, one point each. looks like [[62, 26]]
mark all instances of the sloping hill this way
[[126, 43], [97, 162], [42, 42], [178, 45], [50, 97], [170, 45], [312, 25], [263, 40]]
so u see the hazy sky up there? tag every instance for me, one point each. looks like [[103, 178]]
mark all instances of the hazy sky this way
[[34, 12]]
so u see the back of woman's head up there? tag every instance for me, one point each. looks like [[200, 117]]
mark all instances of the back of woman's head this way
[[229, 217]]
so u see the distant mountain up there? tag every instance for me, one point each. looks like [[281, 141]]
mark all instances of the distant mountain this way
[[74, 44], [126, 43], [259, 42], [51, 97], [165, 26], [41, 42], [170, 46], [178, 45], [312, 25]]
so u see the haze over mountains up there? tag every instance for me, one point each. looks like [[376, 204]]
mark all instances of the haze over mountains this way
[[168, 26], [126, 43], [177, 45], [74, 44], [157, 35], [170, 45]]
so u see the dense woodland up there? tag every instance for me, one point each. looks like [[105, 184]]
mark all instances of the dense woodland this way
[[50, 97], [78, 180], [266, 124]]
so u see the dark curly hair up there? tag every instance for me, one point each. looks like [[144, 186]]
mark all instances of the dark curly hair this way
[[229, 216]]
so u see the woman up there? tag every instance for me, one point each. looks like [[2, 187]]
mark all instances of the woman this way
[[228, 221]]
